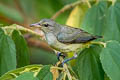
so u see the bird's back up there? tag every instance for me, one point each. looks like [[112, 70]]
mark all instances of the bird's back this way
[[74, 35]]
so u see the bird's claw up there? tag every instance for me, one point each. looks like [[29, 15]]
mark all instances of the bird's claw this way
[[65, 61], [60, 54]]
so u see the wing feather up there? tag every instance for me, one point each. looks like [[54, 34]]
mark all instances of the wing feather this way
[[74, 35]]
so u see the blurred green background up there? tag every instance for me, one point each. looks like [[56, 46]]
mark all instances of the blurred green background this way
[[25, 12]]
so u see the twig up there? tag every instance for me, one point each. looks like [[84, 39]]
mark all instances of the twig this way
[[66, 69], [53, 67], [97, 1], [64, 77], [22, 29], [113, 2], [88, 3], [39, 44], [59, 68], [9, 21], [65, 8]]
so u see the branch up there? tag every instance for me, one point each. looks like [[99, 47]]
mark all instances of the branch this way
[[69, 6], [9, 21], [113, 2], [38, 44], [88, 3], [20, 28], [65, 67]]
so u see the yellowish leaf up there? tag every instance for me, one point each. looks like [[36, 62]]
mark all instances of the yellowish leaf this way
[[76, 16], [55, 73]]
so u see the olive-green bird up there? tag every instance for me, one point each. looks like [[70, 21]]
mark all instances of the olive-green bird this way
[[63, 38]]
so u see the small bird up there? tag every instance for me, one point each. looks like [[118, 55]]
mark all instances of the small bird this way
[[63, 38]]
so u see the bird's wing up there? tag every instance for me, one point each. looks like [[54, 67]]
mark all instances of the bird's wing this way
[[74, 35]]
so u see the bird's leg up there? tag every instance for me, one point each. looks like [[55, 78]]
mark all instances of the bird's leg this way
[[59, 54], [74, 57]]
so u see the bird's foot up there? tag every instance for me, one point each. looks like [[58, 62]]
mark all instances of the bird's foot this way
[[59, 54], [65, 61]]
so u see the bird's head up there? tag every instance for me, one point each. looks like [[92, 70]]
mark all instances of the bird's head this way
[[46, 25]]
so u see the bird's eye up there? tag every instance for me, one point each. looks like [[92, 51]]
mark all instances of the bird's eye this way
[[46, 25]]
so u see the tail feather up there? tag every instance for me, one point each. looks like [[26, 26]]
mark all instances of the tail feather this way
[[98, 37]]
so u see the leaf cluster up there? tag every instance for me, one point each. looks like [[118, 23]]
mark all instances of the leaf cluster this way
[[93, 63]]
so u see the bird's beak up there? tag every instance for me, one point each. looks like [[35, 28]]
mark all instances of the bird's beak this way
[[35, 25]]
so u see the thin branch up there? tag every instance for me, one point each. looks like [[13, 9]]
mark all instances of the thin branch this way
[[88, 3], [22, 29], [113, 2], [65, 67], [67, 71], [69, 6], [97, 1], [9, 21], [64, 77], [39, 44]]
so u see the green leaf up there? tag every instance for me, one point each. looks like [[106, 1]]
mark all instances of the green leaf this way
[[7, 53], [48, 76], [94, 19], [56, 5], [11, 75], [110, 57], [112, 28], [89, 66], [106, 77], [10, 13], [27, 76], [45, 73], [21, 49]]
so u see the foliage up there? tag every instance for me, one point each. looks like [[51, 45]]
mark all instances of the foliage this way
[[95, 62]]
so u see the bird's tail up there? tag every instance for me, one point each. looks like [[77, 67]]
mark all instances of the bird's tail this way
[[98, 37]]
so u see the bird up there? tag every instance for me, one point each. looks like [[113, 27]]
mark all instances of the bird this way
[[63, 38]]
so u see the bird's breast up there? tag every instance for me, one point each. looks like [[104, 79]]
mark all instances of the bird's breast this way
[[50, 38]]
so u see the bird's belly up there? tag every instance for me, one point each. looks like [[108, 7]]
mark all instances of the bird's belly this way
[[65, 48]]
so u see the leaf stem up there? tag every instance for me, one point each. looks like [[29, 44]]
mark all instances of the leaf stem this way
[[99, 43], [66, 69], [57, 67], [113, 2], [64, 77], [88, 3], [22, 29], [13, 74]]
